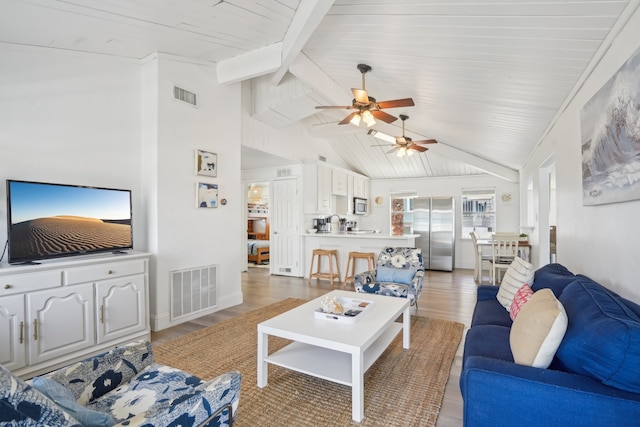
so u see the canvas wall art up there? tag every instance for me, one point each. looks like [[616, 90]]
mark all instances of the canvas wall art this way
[[206, 163], [207, 195], [610, 137]]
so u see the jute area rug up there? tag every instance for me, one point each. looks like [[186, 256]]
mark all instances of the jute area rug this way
[[403, 387]]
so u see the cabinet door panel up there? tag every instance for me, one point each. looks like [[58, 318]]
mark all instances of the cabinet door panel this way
[[12, 332], [121, 307], [61, 322], [324, 189], [338, 182]]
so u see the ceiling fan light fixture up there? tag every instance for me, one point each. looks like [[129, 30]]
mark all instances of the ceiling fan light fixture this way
[[401, 152], [367, 118], [355, 120], [409, 152]]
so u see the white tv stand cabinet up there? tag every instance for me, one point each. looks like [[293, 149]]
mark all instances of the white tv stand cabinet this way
[[64, 310]]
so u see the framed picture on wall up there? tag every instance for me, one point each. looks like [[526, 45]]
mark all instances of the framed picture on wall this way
[[206, 163], [206, 195]]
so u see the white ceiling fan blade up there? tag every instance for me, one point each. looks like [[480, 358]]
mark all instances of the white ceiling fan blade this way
[[382, 136]]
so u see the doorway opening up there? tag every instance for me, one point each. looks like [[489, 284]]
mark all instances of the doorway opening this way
[[258, 225]]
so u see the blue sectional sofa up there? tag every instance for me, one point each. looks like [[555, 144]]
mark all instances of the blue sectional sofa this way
[[593, 380], [122, 387]]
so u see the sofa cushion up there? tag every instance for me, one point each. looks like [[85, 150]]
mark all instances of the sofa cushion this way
[[64, 398], [156, 384], [489, 341], [553, 276], [21, 404], [537, 331], [603, 337], [490, 312], [519, 300], [394, 275], [96, 376], [518, 273]]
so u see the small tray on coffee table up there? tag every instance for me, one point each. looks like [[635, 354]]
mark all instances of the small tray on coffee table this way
[[353, 310]]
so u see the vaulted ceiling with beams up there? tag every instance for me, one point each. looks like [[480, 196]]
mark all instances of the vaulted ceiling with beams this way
[[488, 77]]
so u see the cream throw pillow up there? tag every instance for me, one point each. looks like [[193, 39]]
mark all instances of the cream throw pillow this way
[[538, 330], [518, 273]]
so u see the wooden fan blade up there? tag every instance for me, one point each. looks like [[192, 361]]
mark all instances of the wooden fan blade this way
[[426, 141], [347, 119], [360, 95], [404, 102], [381, 115], [417, 148], [340, 107]]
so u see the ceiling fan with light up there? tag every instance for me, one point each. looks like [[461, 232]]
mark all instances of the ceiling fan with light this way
[[401, 144], [367, 108]]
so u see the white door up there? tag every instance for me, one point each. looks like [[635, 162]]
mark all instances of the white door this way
[[285, 239], [62, 321], [120, 307]]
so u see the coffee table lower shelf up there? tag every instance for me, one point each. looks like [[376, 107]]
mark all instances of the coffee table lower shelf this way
[[328, 364]]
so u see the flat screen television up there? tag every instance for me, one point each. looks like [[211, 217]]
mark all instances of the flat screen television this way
[[55, 220]]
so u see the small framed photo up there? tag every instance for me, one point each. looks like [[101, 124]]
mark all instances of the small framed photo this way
[[206, 163], [206, 195]]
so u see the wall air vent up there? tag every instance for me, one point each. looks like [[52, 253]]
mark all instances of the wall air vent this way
[[193, 290], [185, 96], [284, 172]]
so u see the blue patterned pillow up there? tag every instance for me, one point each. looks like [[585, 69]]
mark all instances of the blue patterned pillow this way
[[394, 275], [65, 399]]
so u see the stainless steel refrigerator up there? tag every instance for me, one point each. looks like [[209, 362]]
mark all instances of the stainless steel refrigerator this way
[[434, 220]]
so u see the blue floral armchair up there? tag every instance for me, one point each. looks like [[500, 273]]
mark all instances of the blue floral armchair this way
[[399, 273], [123, 387]]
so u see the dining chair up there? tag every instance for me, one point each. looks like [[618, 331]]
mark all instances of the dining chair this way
[[504, 248], [480, 259]]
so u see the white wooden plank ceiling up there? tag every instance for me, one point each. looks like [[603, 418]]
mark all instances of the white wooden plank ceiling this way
[[487, 77]]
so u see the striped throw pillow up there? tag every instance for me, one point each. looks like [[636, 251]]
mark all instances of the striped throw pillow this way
[[518, 273]]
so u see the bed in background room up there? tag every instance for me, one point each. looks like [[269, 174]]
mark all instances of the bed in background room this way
[[258, 251]]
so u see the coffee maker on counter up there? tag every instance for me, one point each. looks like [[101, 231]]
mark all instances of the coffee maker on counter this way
[[321, 225]]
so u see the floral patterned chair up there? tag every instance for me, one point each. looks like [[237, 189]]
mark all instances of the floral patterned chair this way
[[399, 273], [123, 386]]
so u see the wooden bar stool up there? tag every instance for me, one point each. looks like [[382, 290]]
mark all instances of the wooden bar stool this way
[[331, 254], [353, 257]]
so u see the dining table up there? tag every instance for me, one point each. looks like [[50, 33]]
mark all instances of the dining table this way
[[524, 248]]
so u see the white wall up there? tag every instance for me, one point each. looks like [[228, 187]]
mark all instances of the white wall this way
[[507, 215], [71, 118], [597, 241], [187, 236]]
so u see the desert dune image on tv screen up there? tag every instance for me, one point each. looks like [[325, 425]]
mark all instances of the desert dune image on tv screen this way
[[50, 219], [65, 234]]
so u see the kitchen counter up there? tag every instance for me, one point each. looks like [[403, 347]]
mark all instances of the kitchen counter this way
[[347, 242], [362, 235]]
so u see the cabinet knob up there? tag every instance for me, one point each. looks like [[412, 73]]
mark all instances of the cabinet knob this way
[[110, 272], [8, 286]]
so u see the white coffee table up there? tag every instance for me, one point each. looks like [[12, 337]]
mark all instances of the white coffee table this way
[[331, 350]]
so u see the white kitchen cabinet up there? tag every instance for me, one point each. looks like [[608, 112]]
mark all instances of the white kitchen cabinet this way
[[360, 187], [338, 182], [61, 311], [12, 332], [324, 188], [317, 189]]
